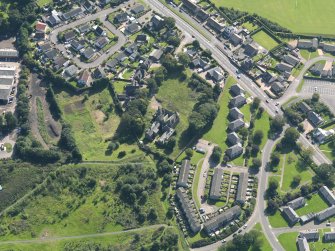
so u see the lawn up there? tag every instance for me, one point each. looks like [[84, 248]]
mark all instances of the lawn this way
[[265, 243], [263, 124], [315, 204], [288, 241], [93, 123], [327, 149], [264, 40], [250, 26], [175, 95], [294, 166], [306, 54], [277, 220], [119, 86], [196, 183], [41, 3], [301, 16]]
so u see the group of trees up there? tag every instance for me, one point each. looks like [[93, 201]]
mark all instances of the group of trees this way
[[249, 241]]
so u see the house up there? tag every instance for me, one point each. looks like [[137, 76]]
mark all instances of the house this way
[[236, 90], [59, 62], [235, 113], [69, 35], [215, 74], [188, 209], [228, 31], [329, 237], [290, 215], [100, 31], [214, 25], [235, 125], [307, 218], [132, 28], [215, 189], [84, 28], [88, 6], [131, 49], [190, 6], [111, 64], [308, 44], [157, 22], [297, 203], [8, 54], [53, 19], [104, 2], [304, 107], [184, 172], [141, 38], [325, 214], [234, 151], [222, 219], [88, 53], [77, 45], [101, 42], [327, 195], [320, 135], [40, 27], [291, 60], [250, 50], [310, 235], [314, 118], [139, 74], [235, 39], [98, 73], [70, 71], [247, 64], [146, 64], [238, 101], [200, 63], [330, 48], [284, 67], [302, 244], [268, 77], [51, 54], [133, 57], [156, 55], [121, 18], [277, 88], [317, 69], [242, 188], [139, 8], [233, 138], [202, 15], [85, 78], [72, 13]]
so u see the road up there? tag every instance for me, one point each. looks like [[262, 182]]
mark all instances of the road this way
[[101, 15]]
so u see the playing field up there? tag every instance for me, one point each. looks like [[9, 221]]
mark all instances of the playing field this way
[[301, 16]]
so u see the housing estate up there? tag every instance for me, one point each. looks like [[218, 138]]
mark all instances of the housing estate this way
[[215, 190]]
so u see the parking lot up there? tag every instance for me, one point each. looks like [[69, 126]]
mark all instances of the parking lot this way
[[319, 86]]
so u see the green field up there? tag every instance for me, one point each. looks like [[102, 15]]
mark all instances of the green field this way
[[315, 204], [277, 220], [301, 16], [264, 40], [41, 3], [265, 243], [288, 241]]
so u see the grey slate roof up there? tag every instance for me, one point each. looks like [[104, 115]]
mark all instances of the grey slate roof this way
[[329, 237], [214, 25], [284, 67], [297, 203], [304, 107], [215, 191], [277, 87], [235, 125], [310, 235], [233, 138], [242, 188], [327, 195], [234, 151], [238, 101], [302, 244], [314, 118], [184, 173], [72, 13], [291, 60], [290, 215], [193, 8], [236, 90], [250, 50], [325, 214], [137, 9], [235, 113]]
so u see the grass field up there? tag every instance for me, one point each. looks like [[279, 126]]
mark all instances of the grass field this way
[[265, 40], [277, 220], [42, 127], [41, 3], [301, 16], [315, 204], [288, 241], [265, 243]]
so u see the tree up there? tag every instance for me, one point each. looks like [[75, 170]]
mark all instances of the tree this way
[[255, 103], [10, 121], [152, 215], [291, 136], [272, 189], [173, 40], [315, 97], [325, 173], [256, 164], [258, 136], [296, 180], [275, 158], [244, 133], [184, 59], [306, 154], [207, 53], [189, 152], [216, 154], [277, 123], [170, 22], [152, 86], [196, 44]]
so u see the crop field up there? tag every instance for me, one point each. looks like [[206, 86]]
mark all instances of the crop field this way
[[301, 16]]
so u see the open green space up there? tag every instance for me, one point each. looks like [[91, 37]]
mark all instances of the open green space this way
[[196, 184], [41, 3], [84, 199], [306, 54], [315, 204], [93, 122], [265, 243], [119, 86], [42, 127], [250, 26], [301, 16], [328, 149], [175, 95], [263, 39], [288, 241]]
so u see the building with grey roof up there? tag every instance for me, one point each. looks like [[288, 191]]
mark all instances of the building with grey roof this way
[[7, 71], [235, 125], [242, 188], [215, 190], [190, 6], [302, 244], [214, 25], [132, 28], [308, 44], [314, 118], [327, 47], [291, 60], [215, 74], [139, 8], [188, 210], [71, 71], [325, 214], [8, 55], [277, 88], [235, 113], [235, 39], [307, 218], [184, 173], [236, 90], [290, 215], [233, 138], [327, 195], [297, 203], [284, 67], [304, 107], [250, 50], [310, 235], [72, 13], [156, 55], [222, 219], [88, 53], [202, 15], [234, 151], [238, 101], [6, 80], [329, 237]]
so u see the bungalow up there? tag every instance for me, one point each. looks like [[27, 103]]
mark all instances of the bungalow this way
[[137, 9], [308, 44], [44, 47], [235, 39], [70, 71], [132, 28], [238, 101], [329, 237], [215, 189], [131, 49], [314, 118], [98, 73], [84, 28], [328, 47], [146, 64], [184, 173], [233, 138], [100, 31], [247, 64], [200, 63], [156, 55], [234, 151], [72, 13], [69, 35], [222, 219], [202, 15], [157, 22], [215, 74], [228, 31], [40, 27], [85, 78], [290, 215], [51, 54], [277, 88], [77, 45], [214, 25], [101, 42], [304, 107], [297, 203], [235, 113], [307, 218], [121, 18], [268, 77], [133, 57], [310, 235], [317, 69], [282, 67], [59, 62], [88, 6], [302, 244], [320, 135], [53, 19], [250, 50], [325, 214], [190, 6], [242, 188], [141, 38], [291, 60], [327, 195], [235, 125], [236, 90], [88, 53]]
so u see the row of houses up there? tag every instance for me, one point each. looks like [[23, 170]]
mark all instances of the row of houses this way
[[312, 236], [7, 81], [292, 217], [314, 44], [314, 118]]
